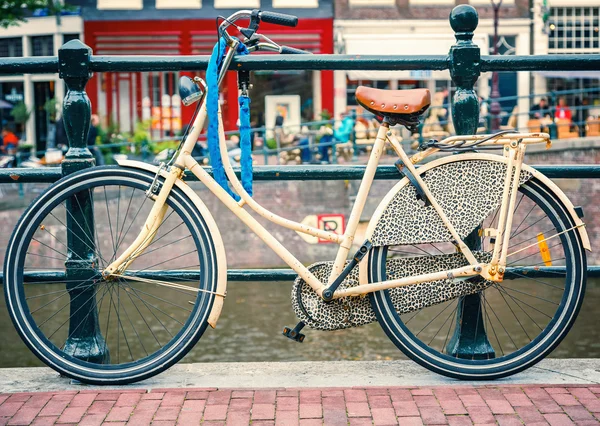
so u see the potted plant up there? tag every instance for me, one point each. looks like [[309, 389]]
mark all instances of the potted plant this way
[[21, 114]]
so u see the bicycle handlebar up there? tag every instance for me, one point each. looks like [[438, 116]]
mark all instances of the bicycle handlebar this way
[[287, 50], [278, 18]]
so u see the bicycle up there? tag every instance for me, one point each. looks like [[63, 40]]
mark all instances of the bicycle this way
[[472, 232]]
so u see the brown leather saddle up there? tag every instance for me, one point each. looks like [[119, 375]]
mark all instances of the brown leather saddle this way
[[396, 106]]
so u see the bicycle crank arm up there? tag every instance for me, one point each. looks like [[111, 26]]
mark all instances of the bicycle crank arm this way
[[360, 254]]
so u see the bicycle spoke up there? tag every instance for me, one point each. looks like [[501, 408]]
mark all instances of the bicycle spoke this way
[[70, 316], [444, 323], [78, 237], [136, 290], [95, 230], [502, 325], [536, 280], [434, 318], [112, 238], [119, 240], [517, 301], [117, 310], [66, 292], [494, 331], [516, 317], [476, 326], [150, 310], [72, 332], [143, 319]]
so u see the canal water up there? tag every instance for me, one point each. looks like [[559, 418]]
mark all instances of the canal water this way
[[254, 314]]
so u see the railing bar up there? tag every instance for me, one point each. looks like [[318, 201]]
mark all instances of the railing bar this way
[[290, 275], [567, 62], [303, 173], [116, 63]]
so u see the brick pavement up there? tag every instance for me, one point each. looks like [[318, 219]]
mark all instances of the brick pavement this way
[[460, 405]]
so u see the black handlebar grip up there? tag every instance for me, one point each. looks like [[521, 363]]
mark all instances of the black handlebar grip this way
[[286, 50], [279, 18]]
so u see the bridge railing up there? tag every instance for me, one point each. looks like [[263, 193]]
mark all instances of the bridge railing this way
[[75, 63]]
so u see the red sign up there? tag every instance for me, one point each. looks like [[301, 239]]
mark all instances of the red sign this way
[[331, 223]]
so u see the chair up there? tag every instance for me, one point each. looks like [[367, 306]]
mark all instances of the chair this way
[[361, 132], [592, 127], [285, 143], [512, 120], [534, 125], [563, 129]]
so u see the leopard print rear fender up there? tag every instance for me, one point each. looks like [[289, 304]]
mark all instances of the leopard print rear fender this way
[[468, 191]]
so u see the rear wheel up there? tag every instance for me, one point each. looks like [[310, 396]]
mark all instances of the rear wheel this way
[[117, 330], [521, 320]]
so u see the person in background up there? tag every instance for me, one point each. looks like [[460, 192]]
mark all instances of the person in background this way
[[287, 140], [562, 110], [91, 141], [341, 134], [581, 114], [284, 138], [9, 141], [539, 110]]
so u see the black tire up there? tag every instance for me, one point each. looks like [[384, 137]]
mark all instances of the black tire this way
[[181, 327], [435, 356]]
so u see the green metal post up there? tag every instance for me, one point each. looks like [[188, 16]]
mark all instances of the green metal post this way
[[85, 340], [469, 339]]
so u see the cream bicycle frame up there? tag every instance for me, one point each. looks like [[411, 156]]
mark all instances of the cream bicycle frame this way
[[514, 150]]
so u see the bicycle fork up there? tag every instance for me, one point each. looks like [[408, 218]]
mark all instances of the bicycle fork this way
[[159, 194]]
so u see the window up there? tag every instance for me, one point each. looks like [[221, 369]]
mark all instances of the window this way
[[42, 45], [372, 3], [295, 3], [69, 37], [230, 4], [121, 4], [11, 47], [574, 30], [178, 4]]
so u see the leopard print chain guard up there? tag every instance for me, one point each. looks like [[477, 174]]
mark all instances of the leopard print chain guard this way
[[468, 191], [356, 310]]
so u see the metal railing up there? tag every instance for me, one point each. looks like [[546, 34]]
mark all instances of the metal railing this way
[[75, 63]]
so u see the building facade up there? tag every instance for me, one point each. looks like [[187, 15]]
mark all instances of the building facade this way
[[188, 27], [39, 36], [563, 27], [421, 27]]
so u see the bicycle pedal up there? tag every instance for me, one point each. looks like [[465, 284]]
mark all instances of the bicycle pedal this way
[[294, 333]]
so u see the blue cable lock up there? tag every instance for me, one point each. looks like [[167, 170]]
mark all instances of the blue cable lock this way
[[212, 110]]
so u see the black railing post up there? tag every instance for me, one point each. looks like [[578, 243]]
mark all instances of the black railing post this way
[[85, 340], [469, 339]]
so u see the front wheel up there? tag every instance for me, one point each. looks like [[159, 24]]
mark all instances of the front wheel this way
[[112, 330], [509, 326]]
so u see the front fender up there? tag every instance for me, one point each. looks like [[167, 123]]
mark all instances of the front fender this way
[[214, 233], [399, 218]]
